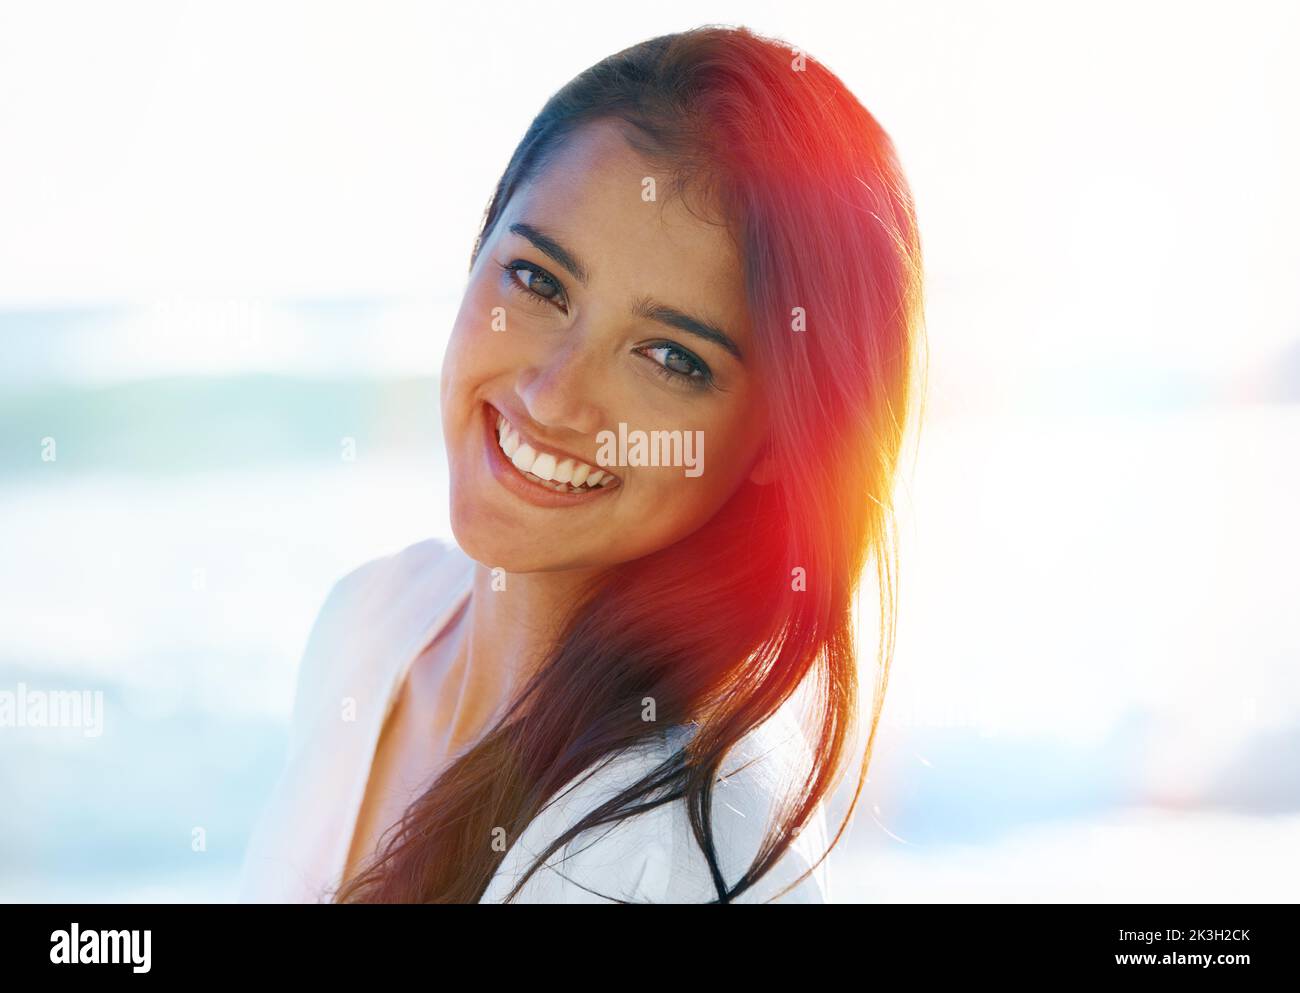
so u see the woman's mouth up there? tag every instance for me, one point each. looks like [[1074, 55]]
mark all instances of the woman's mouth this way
[[538, 473]]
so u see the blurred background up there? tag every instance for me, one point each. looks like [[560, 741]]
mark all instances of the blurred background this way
[[233, 239]]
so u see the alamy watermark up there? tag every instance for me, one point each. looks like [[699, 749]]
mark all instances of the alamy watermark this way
[[652, 448], [30, 708]]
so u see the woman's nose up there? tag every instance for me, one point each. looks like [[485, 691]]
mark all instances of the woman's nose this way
[[560, 391]]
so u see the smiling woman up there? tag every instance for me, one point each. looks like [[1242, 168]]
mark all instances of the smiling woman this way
[[588, 698]]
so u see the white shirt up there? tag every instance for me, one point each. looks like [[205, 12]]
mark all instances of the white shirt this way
[[373, 624]]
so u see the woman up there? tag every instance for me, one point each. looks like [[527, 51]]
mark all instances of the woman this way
[[707, 242]]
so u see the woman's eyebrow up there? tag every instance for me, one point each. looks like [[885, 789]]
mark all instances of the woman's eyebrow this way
[[550, 247], [644, 307]]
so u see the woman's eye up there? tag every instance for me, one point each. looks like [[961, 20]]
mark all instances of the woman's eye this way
[[677, 363], [533, 281]]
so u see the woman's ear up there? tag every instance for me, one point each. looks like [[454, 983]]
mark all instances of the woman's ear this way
[[764, 470]]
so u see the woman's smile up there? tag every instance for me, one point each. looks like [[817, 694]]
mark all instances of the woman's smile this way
[[536, 473]]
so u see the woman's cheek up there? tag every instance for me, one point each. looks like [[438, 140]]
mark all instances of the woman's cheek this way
[[470, 356], [676, 503]]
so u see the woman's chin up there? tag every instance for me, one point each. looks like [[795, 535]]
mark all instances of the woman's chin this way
[[510, 560], [495, 546], [498, 547]]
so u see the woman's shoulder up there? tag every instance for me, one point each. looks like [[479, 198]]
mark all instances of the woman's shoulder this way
[[376, 611], [653, 856], [388, 595], [413, 572], [369, 619]]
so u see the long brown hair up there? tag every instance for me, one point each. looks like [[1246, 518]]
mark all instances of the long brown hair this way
[[722, 627]]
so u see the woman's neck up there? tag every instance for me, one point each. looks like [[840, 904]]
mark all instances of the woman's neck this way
[[514, 620]]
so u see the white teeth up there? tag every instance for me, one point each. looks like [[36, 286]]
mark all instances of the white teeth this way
[[544, 466], [509, 443], [568, 475], [524, 457]]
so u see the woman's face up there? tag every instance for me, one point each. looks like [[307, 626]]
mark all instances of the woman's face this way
[[593, 308]]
